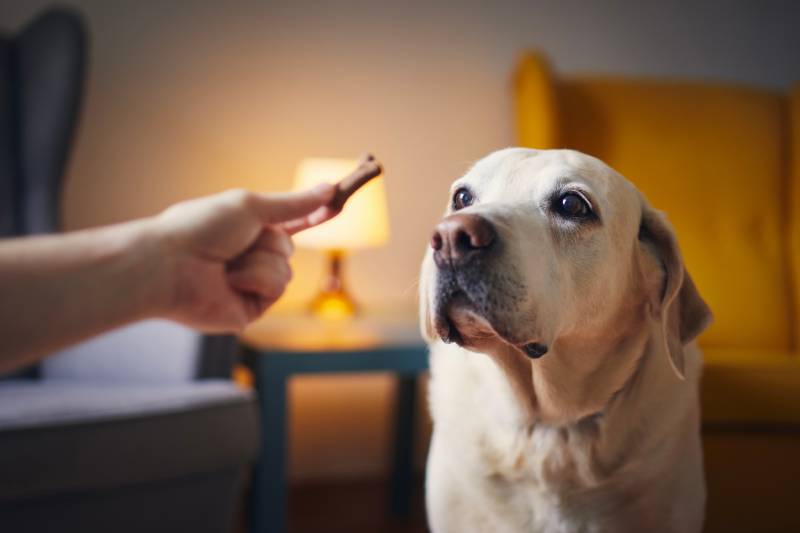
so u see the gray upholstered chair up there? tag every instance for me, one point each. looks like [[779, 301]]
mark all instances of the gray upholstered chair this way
[[137, 430]]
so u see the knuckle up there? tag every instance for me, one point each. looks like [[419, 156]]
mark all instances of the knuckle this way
[[282, 272], [239, 197], [288, 237], [278, 240], [286, 243], [276, 268]]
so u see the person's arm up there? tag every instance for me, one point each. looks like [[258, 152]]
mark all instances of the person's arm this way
[[214, 263]]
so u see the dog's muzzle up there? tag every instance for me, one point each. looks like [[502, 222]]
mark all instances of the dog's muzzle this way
[[461, 244], [465, 248]]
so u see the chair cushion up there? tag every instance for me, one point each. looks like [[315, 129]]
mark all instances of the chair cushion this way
[[65, 435], [151, 351], [750, 387]]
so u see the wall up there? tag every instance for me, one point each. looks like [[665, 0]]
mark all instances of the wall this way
[[187, 98]]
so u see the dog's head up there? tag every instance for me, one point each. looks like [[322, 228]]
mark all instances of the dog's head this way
[[553, 248]]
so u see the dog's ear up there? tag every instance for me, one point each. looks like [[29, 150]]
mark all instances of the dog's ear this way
[[425, 313], [682, 312]]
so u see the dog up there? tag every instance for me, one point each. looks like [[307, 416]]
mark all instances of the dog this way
[[564, 373]]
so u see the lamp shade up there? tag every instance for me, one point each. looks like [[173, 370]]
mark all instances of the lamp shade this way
[[364, 221]]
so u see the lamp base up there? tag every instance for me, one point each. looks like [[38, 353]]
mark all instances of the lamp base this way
[[333, 301]]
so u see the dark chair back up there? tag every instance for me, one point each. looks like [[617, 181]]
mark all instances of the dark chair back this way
[[42, 72]]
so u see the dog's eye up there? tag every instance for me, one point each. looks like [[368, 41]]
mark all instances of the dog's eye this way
[[572, 205], [462, 198]]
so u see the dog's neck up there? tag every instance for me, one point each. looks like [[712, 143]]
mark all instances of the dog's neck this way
[[560, 388]]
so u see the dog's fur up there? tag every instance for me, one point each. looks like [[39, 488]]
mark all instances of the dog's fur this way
[[602, 432]]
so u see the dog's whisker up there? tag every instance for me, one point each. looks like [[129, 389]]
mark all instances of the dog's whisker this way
[[414, 284]]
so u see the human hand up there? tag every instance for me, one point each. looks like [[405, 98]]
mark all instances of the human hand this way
[[214, 264], [227, 255]]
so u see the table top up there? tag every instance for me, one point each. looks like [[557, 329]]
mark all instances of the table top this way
[[307, 333]]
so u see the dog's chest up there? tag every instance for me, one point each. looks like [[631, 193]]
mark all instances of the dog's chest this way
[[541, 458], [473, 404], [536, 477]]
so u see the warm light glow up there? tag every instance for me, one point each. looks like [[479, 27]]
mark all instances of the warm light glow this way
[[332, 306], [243, 377], [363, 222]]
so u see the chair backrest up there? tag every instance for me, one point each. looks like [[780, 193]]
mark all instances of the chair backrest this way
[[715, 158], [41, 83]]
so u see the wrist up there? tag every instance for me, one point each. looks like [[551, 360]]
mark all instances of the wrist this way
[[148, 266]]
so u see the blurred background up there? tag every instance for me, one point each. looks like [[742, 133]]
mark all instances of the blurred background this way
[[186, 98]]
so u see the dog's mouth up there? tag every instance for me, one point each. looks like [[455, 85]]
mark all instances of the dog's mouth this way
[[460, 320]]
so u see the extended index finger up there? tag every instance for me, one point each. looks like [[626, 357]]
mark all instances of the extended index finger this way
[[367, 169], [281, 207], [322, 214]]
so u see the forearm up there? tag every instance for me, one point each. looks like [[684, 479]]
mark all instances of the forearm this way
[[60, 289], [213, 263]]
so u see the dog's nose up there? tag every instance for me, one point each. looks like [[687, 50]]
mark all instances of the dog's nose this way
[[461, 237]]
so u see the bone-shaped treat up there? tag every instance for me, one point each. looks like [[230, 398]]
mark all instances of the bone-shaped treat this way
[[368, 168]]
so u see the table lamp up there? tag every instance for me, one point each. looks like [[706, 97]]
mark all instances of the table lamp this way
[[363, 223]]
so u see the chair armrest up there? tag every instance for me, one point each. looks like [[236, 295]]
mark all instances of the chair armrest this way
[[794, 200]]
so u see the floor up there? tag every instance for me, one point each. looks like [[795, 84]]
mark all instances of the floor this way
[[351, 507]]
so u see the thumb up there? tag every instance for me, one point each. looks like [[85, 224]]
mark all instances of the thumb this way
[[280, 207]]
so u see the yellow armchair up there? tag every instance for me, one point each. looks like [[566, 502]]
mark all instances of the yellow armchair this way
[[724, 163]]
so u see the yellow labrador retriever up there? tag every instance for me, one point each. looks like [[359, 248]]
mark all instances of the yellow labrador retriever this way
[[564, 376]]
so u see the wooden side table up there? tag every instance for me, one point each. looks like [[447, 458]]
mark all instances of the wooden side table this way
[[282, 346]]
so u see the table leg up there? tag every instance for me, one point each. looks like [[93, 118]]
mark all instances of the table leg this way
[[268, 505], [403, 465]]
